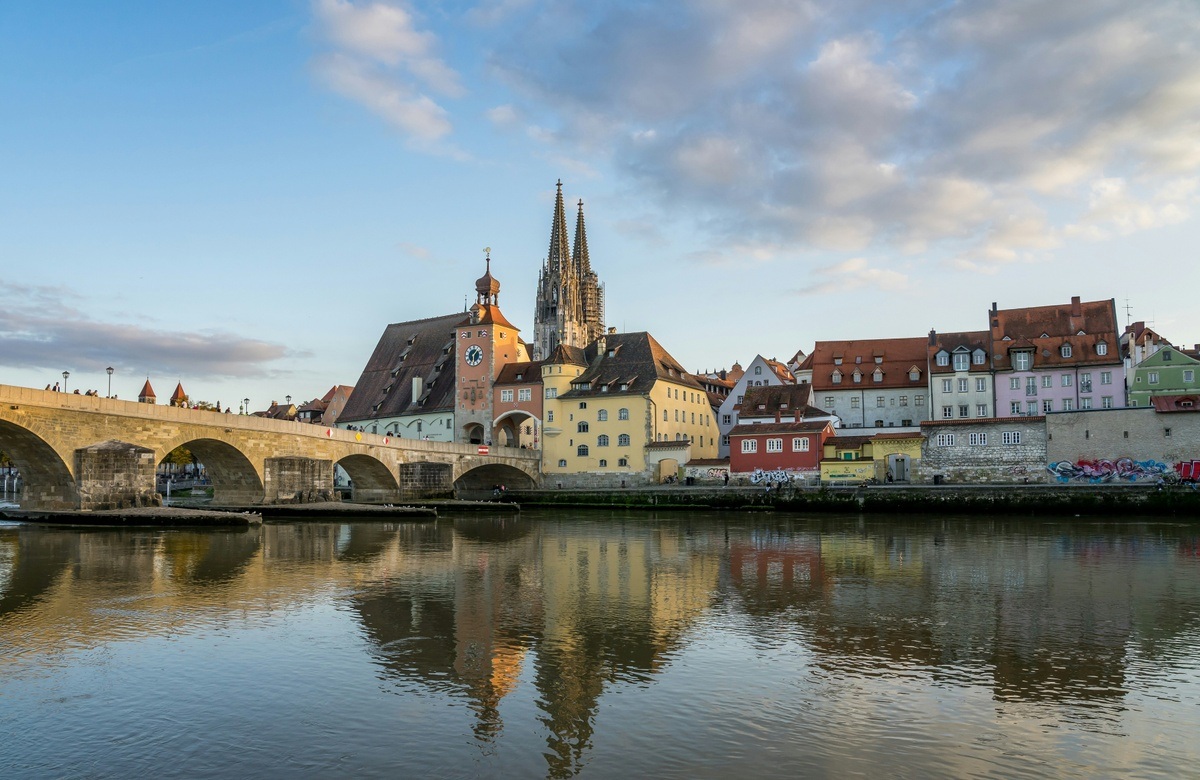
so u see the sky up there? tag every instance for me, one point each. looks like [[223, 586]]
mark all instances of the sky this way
[[241, 195]]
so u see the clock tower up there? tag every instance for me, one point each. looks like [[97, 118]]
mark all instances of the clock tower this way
[[485, 342]]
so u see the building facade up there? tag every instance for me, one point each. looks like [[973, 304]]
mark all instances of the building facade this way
[[760, 373], [1010, 450], [870, 383], [793, 448], [570, 299], [1166, 371], [960, 375]]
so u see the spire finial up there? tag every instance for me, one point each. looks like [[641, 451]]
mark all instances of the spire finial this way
[[560, 184]]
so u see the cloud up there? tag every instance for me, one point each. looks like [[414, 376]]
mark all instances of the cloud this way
[[854, 274], [502, 116], [379, 57], [971, 131], [38, 332]]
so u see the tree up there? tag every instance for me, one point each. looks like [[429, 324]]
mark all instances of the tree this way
[[180, 456]]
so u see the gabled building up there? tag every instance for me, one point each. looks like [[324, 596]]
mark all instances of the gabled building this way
[[761, 372], [870, 383], [960, 375], [793, 446], [146, 395], [1057, 358], [326, 409], [1167, 371], [621, 411], [772, 403], [517, 405], [570, 299]]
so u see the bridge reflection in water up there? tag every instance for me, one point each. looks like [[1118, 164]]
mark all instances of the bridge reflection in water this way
[[635, 646]]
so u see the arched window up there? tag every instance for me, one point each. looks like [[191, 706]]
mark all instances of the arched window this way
[[603, 463], [602, 415], [623, 440], [582, 427], [758, 370], [602, 440], [622, 414], [562, 463], [581, 450], [623, 462]]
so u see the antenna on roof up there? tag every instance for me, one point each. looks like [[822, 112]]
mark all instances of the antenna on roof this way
[[465, 302], [1128, 316]]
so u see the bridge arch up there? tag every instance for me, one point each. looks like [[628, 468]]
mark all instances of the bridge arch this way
[[48, 481], [235, 479], [483, 478], [372, 480], [516, 428]]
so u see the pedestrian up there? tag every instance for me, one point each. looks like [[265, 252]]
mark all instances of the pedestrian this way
[[56, 387], [726, 479]]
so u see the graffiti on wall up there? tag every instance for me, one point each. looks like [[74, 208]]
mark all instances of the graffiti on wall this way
[[778, 475], [716, 473], [1104, 470]]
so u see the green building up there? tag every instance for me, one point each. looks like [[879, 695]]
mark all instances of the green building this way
[[1167, 371]]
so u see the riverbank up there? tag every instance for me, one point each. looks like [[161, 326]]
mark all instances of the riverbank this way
[[147, 516], [1049, 500]]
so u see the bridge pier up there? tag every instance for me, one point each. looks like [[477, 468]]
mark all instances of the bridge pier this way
[[426, 480], [114, 475], [294, 480]]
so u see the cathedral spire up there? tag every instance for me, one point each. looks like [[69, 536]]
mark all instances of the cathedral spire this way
[[582, 262], [560, 252]]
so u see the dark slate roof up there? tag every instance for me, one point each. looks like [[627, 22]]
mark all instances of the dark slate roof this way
[[785, 399], [751, 429], [567, 355], [420, 348], [520, 374], [636, 360], [847, 442]]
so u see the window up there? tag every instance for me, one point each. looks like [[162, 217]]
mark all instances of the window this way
[[857, 378], [623, 462], [1065, 350], [1085, 403], [552, 392], [525, 394], [1189, 375], [1167, 432], [562, 463], [583, 404], [622, 414], [979, 357], [1068, 404], [1085, 383], [774, 445], [749, 445], [582, 427], [828, 402], [914, 375], [1066, 380], [962, 361], [1048, 405], [549, 416], [906, 423], [603, 463], [1014, 407], [854, 402], [919, 400], [664, 415], [506, 395], [1106, 377], [947, 385], [981, 410], [602, 415], [943, 359], [581, 450], [1022, 361], [1014, 383], [977, 439], [877, 376], [1102, 348], [1031, 385], [980, 385], [964, 385], [1166, 355], [800, 444], [1011, 437], [623, 440], [1152, 377], [1106, 402], [836, 378], [1047, 381], [904, 400], [879, 401], [727, 419], [964, 410], [947, 412], [602, 440], [945, 440]]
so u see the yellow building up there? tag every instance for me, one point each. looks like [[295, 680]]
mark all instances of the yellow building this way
[[895, 455], [621, 412], [848, 459]]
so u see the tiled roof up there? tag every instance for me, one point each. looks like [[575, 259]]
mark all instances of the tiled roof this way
[[894, 436], [667, 445], [785, 399], [709, 462], [896, 358], [848, 442], [951, 342], [983, 421], [567, 355], [1175, 403], [178, 395], [749, 429], [147, 391], [635, 360], [529, 373], [1044, 330], [406, 350]]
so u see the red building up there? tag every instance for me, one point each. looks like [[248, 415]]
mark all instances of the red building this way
[[795, 446]]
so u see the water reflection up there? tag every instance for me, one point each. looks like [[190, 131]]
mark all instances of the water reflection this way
[[497, 613]]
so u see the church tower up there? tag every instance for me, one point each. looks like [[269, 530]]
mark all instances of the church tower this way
[[570, 298]]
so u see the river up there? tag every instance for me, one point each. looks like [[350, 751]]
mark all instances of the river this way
[[605, 645]]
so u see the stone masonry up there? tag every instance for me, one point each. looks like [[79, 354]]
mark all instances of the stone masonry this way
[[979, 451]]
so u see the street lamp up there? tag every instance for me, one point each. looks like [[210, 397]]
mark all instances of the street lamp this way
[[288, 398], [109, 370], [65, 375], [246, 402]]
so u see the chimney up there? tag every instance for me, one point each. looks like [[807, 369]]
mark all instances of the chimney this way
[[994, 309], [417, 387], [1076, 307], [601, 345], [799, 415], [932, 337], [778, 416]]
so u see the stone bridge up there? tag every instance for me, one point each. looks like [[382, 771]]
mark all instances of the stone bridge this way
[[84, 452]]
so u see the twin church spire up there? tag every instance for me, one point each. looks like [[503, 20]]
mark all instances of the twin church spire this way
[[570, 298]]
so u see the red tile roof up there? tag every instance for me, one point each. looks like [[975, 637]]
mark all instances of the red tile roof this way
[[1045, 330], [750, 429], [896, 358]]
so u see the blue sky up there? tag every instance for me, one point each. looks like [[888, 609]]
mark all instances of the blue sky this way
[[241, 195]]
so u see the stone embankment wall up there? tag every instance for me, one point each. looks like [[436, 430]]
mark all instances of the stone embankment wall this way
[[979, 453]]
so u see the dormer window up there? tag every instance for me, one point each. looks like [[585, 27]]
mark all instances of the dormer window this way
[[783, 405], [877, 376], [837, 361], [858, 358], [836, 377], [1065, 350], [943, 358], [962, 361], [857, 377], [978, 357], [1022, 361], [914, 375], [1102, 348], [878, 359]]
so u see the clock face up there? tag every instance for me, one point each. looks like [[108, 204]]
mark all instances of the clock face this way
[[474, 355]]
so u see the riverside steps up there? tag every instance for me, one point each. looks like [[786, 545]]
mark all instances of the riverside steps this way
[[1108, 500]]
